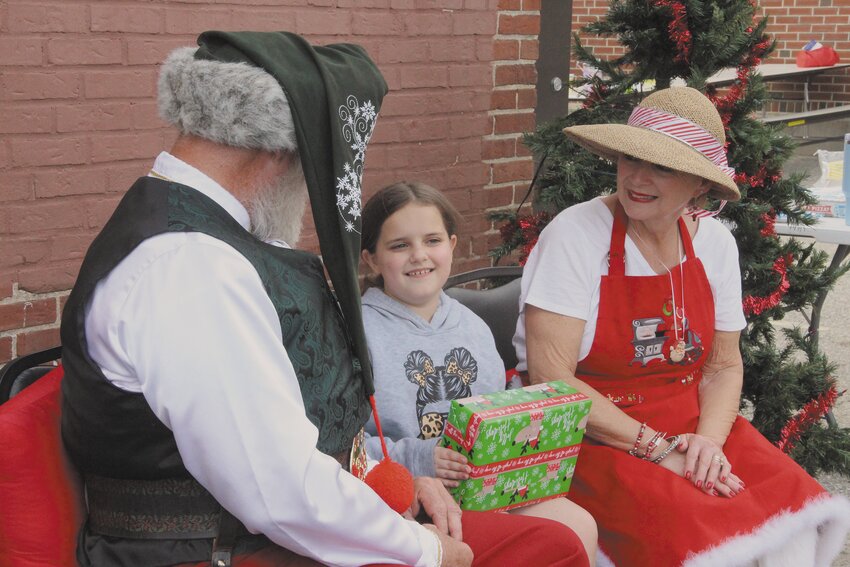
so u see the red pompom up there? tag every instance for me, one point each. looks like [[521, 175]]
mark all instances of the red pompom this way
[[393, 483]]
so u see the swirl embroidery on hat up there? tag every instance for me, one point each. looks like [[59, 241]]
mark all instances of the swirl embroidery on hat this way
[[683, 130], [358, 122]]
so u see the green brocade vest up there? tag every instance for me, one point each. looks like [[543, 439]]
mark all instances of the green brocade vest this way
[[113, 433]]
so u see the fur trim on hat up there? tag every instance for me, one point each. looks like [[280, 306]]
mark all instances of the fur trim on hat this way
[[235, 104]]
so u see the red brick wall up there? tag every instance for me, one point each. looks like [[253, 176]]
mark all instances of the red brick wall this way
[[78, 120], [792, 23], [512, 106]]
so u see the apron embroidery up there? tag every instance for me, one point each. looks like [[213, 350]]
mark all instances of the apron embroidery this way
[[636, 356]]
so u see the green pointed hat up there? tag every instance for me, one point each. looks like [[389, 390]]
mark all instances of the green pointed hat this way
[[334, 93]]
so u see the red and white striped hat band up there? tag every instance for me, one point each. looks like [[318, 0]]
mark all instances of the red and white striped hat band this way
[[684, 131]]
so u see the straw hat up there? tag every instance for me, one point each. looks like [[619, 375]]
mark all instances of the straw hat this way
[[677, 128]]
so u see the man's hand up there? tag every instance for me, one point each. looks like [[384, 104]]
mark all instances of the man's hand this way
[[450, 466], [455, 553], [430, 495]]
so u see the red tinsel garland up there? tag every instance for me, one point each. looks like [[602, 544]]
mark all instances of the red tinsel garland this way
[[753, 59], [530, 227], [758, 179], [597, 94], [769, 220], [758, 305], [808, 416], [678, 29]]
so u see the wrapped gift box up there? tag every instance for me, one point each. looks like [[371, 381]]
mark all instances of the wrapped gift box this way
[[522, 444]]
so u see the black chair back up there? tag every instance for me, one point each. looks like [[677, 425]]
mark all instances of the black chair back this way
[[19, 373], [498, 307]]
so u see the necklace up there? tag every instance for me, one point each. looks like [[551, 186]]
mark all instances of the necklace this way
[[677, 351]]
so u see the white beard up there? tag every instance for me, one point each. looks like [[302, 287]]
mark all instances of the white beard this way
[[277, 209]]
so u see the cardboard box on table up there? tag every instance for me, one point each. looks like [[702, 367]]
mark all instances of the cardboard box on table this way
[[522, 444]]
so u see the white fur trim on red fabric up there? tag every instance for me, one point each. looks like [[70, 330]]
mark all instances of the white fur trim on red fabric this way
[[603, 560], [831, 515]]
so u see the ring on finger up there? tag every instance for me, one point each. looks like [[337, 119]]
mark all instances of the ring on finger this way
[[719, 460]]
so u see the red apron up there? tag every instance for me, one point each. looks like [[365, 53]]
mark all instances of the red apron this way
[[647, 515]]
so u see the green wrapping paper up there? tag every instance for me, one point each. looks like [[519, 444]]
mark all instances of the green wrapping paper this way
[[522, 444]]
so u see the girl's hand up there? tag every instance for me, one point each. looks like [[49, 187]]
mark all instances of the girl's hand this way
[[450, 466], [705, 464]]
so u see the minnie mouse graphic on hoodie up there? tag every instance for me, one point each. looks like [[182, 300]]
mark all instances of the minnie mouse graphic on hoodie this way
[[419, 368]]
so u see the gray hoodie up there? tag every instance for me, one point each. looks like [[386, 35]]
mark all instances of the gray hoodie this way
[[419, 368]]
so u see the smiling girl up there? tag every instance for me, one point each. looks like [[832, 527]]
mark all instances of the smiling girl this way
[[427, 349]]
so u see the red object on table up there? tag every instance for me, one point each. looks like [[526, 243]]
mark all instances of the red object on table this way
[[821, 57]]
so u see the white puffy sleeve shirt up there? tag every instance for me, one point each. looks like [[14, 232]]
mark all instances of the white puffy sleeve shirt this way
[[184, 319]]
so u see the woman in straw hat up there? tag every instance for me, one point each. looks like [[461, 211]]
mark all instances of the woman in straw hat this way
[[635, 299]]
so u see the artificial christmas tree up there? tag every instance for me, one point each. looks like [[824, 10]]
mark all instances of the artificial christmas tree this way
[[788, 383]]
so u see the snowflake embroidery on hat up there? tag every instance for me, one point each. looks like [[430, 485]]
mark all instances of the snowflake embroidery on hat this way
[[358, 122]]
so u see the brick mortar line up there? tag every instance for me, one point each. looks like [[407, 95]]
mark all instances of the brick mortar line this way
[[514, 88], [511, 85], [15, 332], [507, 159], [506, 62], [505, 111], [516, 36], [19, 295], [503, 185]]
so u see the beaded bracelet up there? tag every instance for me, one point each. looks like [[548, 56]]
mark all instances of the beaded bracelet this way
[[674, 442], [634, 450], [653, 444]]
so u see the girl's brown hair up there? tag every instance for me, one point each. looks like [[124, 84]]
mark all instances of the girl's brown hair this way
[[392, 198]]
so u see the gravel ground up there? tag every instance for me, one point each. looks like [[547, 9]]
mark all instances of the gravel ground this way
[[835, 342], [834, 331]]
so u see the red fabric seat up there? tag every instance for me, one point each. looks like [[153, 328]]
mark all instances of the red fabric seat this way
[[42, 508], [40, 491]]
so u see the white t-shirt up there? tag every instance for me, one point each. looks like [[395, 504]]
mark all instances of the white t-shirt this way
[[563, 273]]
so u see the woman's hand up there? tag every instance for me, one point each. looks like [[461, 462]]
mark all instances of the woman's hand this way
[[698, 458], [704, 460], [676, 462], [450, 466]]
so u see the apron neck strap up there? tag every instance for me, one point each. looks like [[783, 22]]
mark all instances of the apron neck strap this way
[[686, 239], [617, 250]]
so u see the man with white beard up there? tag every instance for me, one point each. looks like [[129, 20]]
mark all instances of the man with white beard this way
[[179, 360], [215, 391]]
